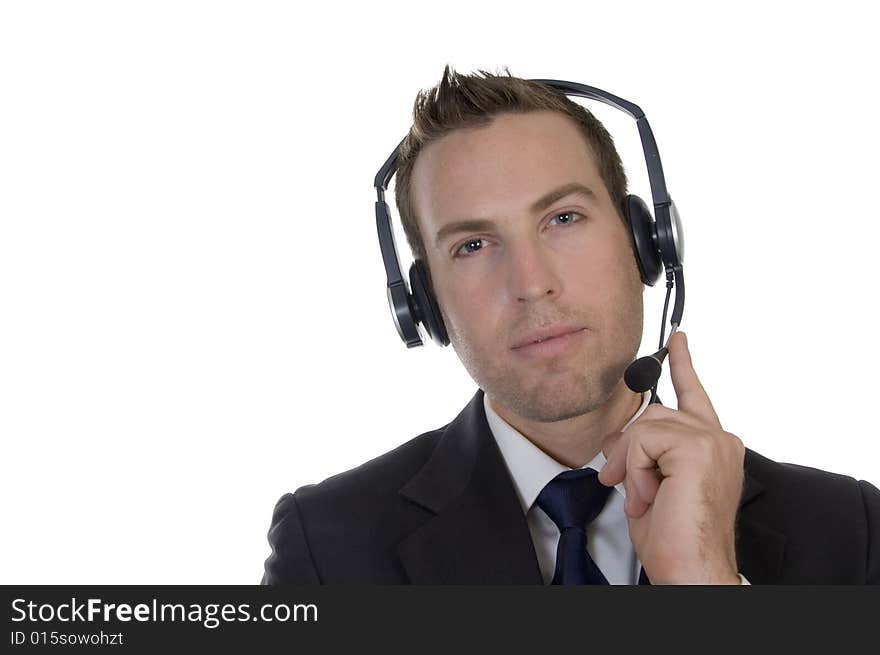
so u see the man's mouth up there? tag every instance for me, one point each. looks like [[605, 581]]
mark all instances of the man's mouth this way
[[545, 334], [551, 346]]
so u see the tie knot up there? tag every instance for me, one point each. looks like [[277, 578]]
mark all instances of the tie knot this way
[[573, 498]]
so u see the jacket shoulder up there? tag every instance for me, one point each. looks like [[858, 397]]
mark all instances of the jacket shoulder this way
[[387, 472], [781, 476], [820, 513], [345, 528], [805, 489]]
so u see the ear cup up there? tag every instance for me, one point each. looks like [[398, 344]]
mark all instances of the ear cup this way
[[426, 310], [641, 225]]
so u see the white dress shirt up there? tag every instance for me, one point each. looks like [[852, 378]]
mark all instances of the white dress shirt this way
[[531, 469]]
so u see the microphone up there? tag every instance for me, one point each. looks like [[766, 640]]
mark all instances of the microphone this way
[[642, 374]]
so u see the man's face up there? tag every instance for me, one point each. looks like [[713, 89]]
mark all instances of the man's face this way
[[567, 263]]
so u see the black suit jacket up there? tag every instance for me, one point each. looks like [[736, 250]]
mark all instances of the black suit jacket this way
[[442, 509]]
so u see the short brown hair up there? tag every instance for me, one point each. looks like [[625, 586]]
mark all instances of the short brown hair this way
[[462, 101]]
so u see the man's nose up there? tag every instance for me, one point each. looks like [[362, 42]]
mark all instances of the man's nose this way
[[532, 273]]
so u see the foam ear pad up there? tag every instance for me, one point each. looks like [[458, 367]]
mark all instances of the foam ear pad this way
[[641, 224], [426, 309]]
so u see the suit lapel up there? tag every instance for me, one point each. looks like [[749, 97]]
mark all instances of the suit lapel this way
[[479, 534]]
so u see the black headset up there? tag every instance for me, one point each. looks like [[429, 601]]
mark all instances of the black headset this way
[[658, 243]]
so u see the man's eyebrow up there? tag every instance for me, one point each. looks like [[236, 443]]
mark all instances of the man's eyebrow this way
[[542, 203], [559, 193]]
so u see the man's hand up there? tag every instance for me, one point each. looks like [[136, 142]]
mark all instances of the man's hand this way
[[683, 476]]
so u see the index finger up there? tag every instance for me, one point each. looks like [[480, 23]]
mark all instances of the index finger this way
[[692, 397]]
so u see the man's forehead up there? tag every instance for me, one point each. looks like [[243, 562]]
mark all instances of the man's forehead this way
[[509, 167]]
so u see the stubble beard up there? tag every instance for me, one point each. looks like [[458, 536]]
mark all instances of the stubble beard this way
[[556, 390]]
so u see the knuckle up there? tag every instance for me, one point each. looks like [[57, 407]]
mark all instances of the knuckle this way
[[706, 443], [738, 445]]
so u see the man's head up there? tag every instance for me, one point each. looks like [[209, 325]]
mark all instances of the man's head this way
[[488, 149]]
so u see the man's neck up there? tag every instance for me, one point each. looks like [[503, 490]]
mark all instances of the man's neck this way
[[576, 441]]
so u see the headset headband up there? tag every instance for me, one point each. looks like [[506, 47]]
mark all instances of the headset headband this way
[[649, 145]]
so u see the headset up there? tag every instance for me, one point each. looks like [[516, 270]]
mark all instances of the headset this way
[[658, 243]]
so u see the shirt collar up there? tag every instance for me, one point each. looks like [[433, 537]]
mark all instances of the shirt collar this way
[[529, 466]]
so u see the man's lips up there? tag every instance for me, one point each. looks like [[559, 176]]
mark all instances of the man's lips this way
[[545, 334], [560, 345]]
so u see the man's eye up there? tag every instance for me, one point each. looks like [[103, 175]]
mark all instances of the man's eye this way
[[465, 249], [570, 217]]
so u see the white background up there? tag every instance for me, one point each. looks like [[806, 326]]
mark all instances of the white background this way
[[192, 304]]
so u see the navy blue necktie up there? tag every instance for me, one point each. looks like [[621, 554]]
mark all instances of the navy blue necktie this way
[[573, 499]]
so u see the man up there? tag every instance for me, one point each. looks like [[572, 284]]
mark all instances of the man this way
[[510, 195]]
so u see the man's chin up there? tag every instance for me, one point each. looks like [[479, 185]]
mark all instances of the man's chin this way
[[557, 395]]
